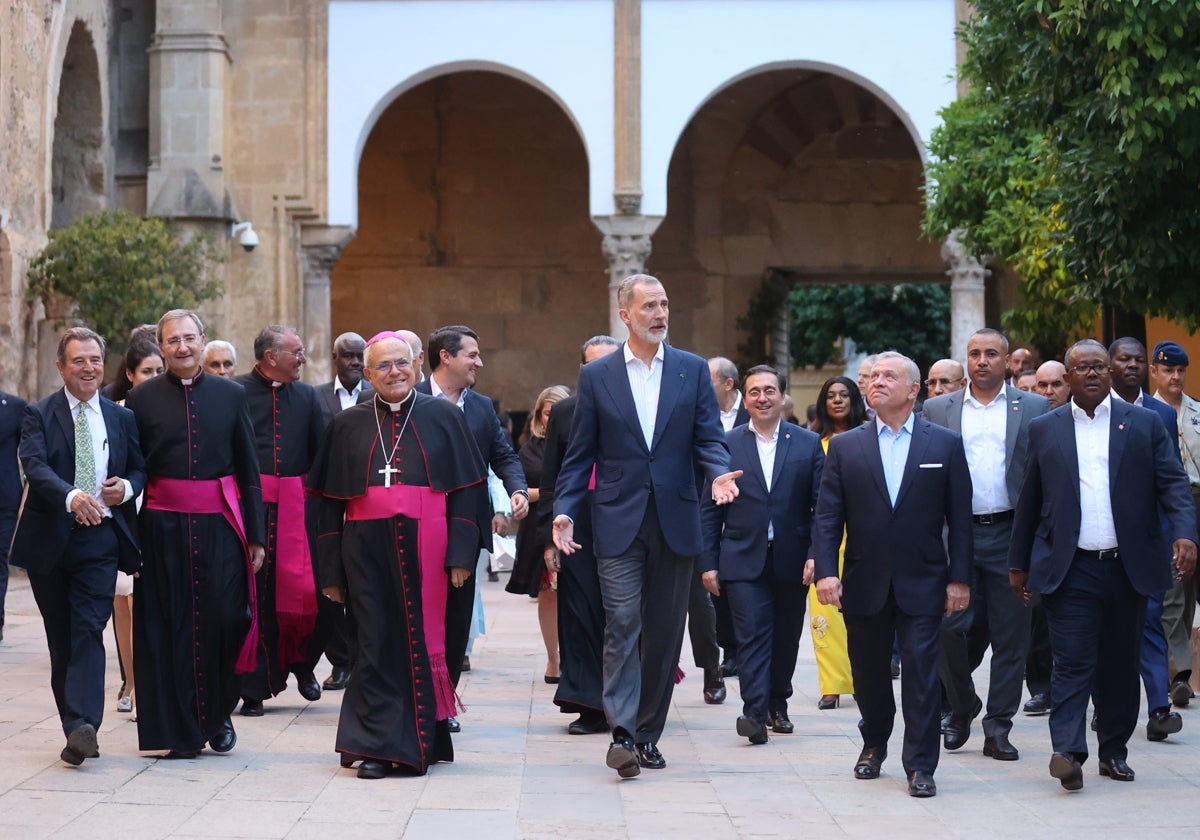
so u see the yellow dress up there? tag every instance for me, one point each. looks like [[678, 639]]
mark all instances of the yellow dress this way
[[829, 635]]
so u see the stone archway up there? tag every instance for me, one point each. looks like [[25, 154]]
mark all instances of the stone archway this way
[[798, 169], [77, 170], [473, 209]]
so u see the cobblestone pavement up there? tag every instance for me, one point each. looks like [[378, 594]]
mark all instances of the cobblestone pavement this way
[[518, 774]]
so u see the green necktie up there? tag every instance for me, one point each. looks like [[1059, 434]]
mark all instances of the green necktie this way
[[85, 457]]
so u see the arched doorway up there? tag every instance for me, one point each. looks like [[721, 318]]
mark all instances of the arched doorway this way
[[473, 209], [799, 170]]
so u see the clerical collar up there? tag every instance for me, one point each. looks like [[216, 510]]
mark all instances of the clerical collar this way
[[274, 383], [395, 406], [183, 381]]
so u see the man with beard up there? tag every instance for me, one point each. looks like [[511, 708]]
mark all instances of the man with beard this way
[[288, 426], [401, 487], [201, 534]]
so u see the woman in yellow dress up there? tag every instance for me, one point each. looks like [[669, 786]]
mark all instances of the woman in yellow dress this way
[[840, 407]]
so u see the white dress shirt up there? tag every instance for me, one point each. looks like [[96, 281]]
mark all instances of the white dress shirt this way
[[729, 417], [984, 433], [441, 395], [645, 383], [99, 434], [1096, 528], [767, 445], [346, 396]]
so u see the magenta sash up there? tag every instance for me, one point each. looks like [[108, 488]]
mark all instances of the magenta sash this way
[[216, 495], [295, 586], [428, 507]]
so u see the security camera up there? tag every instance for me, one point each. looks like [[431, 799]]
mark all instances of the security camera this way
[[247, 238]]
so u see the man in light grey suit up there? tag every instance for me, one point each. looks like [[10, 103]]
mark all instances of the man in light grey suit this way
[[993, 419]]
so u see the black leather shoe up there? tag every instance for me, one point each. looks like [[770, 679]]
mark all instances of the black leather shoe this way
[[588, 725], [466, 668], [371, 769], [225, 738], [1038, 704], [780, 723], [337, 679], [453, 724], [493, 577], [714, 686], [623, 758], [729, 666], [182, 754], [920, 784], [1180, 693], [895, 667], [649, 757], [829, 701], [307, 685], [1095, 724], [81, 744], [999, 748], [945, 723], [1163, 722], [252, 708], [1067, 770], [869, 762], [958, 732], [753, 729], [1116, 769]]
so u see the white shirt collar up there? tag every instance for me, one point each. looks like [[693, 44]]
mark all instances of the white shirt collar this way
[[436, 391], [970, 397], [659, 353], [880, 425], [73, 401], [1104, 408], [766, 438], [1141, 397], [337, 383]]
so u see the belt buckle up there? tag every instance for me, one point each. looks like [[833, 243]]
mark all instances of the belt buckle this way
[[1107, 554]]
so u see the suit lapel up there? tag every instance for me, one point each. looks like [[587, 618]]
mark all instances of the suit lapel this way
[[1012, 424], [1066, 443], [869, 440], [62, 412], [954, 415], [916, 453], [781, 450], [1117, 435], [616, 380], [749, 453], [113, 438], [670, 386]]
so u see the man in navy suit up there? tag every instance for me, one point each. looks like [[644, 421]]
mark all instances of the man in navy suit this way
[[1129, 367], [81, 455], [454, 361], [894, 484], [993, 418], [1095, 556], [12, 409], [348, 387], [645, 423], [755, 550]]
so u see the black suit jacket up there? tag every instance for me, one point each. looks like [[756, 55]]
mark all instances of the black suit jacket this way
[[1145, 477], [48, 457], [897, 547], [329, 402], [12, 409], [735, 535]]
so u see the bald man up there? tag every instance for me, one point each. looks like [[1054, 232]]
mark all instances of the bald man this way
[[1052, 383], [414, 341], [945, 377]]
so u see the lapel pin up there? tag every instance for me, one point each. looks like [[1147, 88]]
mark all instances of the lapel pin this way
[[1121, 427], [787, 436]]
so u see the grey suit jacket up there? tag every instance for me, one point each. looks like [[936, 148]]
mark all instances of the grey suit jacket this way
[[947, 410], [329, 402]]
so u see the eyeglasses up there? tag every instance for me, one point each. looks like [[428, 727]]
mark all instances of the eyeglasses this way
[[299, 354], [179, 340], [398, 364], [929, 383], [1083, 370]]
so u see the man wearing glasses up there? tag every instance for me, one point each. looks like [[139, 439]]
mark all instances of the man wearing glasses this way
[[1094, 556], [202, 541], [288, 426], [945, 376]]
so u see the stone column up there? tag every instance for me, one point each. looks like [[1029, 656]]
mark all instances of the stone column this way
[[627, 246], [627, 105], [321, 247], [968, 284]]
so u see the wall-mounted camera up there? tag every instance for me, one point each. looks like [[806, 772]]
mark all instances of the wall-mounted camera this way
[[245, 234]]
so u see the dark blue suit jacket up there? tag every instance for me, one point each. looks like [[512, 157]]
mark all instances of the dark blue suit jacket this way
[[12, 409], [1145, 476], [48, 457], [606, 434], [735, 535], [901, 547]]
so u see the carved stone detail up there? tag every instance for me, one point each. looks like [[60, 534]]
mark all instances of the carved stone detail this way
[[968, 286]]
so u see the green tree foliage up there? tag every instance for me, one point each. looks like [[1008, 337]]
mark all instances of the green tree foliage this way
[[911, 318], [1075, 157], [122, 271]]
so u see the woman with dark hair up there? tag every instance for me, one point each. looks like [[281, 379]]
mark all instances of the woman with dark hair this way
[[530, 575], [840, 408], [143, 361]]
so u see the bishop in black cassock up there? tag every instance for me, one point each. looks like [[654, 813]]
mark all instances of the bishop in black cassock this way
[[401, 486], [201, 525]]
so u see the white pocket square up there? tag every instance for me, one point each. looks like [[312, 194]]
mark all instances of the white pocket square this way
[[931, 466]]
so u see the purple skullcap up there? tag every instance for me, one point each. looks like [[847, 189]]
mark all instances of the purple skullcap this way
[[380, 336]]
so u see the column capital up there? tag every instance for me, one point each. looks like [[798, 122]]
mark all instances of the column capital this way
[[966, 270], [626, 245], [968, 294]]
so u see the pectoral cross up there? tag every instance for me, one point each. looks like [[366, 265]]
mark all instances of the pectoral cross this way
[[387, 473]]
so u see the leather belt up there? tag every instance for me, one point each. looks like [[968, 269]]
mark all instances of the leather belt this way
[[992, 518], [1102, 554]]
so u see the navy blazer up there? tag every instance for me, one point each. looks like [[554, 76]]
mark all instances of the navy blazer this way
[[735, 535], [901, 547], [12, 410], [606, 433], [48, 457], [1145, 477], [490, 440], [947, 410]]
